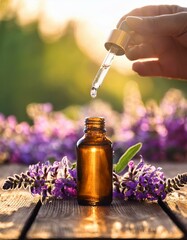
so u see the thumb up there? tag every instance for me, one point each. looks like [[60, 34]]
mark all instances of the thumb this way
[[163, 25]]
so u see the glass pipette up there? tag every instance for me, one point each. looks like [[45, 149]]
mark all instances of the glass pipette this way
[[116, 45], [99, 78]]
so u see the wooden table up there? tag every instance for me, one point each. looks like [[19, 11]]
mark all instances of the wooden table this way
[[23, 217]]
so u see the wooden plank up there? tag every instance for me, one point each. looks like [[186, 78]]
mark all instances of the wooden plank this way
[[65, 219], [176, 203], [123, 219], [15, 209], [16, 206]]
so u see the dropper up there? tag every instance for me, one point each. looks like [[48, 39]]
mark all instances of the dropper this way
[[116, 45]]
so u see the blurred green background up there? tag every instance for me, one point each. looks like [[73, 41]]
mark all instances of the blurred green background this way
[[34, 70]]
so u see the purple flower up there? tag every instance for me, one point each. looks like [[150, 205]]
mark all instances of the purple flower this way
[[53, 180], [64, 188], [142, 181], [40, 170], [58, 180], [161, 128], [47, 180], [38, 187], [65, 185]]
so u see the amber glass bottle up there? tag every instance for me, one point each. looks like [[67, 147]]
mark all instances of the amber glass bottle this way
[[94, 164]]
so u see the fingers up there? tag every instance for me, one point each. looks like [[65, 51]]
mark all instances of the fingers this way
[[153, 11], [159, 68], [140, 52], [150, 68], [164, 25], [157, 32], [143, 47]]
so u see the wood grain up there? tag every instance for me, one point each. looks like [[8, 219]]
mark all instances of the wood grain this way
[[15, 206], [130, 219], [176, 202], [66, 219]]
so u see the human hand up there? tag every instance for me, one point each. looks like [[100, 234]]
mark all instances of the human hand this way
[[159, 32]]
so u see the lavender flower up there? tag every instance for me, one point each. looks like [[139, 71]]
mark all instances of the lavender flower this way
[[58, 180], [161, 128], [140, 182], [51, 136], [175, 183], [47, 180], [64, 188]]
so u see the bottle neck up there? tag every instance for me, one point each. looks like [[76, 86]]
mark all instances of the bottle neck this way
[[94, 125]]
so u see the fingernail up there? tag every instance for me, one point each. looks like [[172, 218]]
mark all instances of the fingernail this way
[[133, 21], [124, 26]]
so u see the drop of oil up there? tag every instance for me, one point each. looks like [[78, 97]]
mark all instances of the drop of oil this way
[[93, 92]]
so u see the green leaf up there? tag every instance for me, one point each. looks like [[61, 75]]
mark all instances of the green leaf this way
[[73, 165], [126, 157]]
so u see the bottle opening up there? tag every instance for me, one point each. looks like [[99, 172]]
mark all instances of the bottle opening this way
[[95, 123]]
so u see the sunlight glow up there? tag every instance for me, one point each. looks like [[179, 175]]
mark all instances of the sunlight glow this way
[[94, 21]]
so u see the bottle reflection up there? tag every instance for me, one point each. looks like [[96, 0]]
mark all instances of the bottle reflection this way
[[93, 224], [97, 223]]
